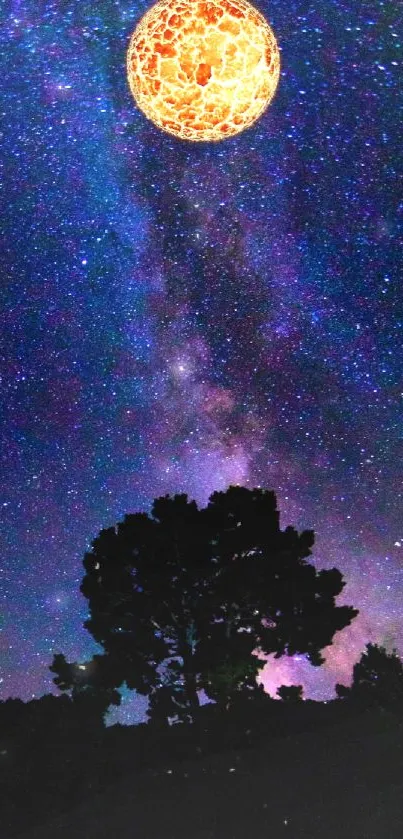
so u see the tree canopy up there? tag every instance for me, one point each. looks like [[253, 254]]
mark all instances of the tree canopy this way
[[182, 600], [90, 685], [377, 678]]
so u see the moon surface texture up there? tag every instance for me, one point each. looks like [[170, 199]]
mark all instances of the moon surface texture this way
[[203, 69]]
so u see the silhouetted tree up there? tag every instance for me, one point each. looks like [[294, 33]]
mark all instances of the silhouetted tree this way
[[205, 589], [377, 679], [290, 693], [90, 686]]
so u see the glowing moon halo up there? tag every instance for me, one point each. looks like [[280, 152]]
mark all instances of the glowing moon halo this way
[[203, 69]]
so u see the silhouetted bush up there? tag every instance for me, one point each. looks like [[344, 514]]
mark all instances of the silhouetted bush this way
[[290, 693]]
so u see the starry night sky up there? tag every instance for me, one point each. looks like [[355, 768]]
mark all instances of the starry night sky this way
[[178, 316]]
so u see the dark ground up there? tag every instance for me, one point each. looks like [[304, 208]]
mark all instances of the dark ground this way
[[342, 780]]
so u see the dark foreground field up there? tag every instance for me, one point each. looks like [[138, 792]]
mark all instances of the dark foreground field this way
[[340, 778]]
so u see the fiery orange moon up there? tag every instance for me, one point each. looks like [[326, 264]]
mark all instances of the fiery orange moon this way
[[203, 69]]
